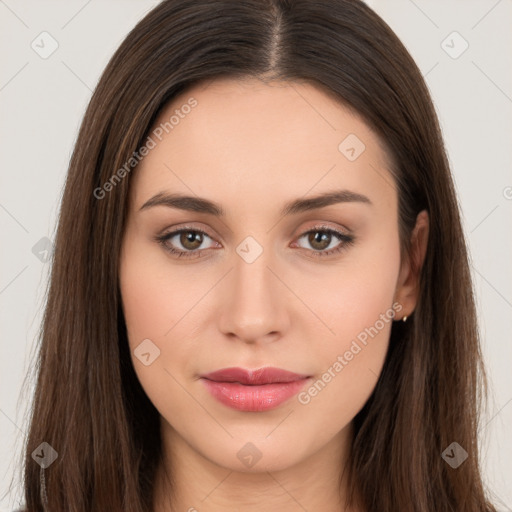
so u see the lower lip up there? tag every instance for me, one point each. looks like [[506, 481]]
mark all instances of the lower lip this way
[[253, 398]]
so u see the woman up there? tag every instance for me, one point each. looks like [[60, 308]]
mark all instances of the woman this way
[[203, 348]]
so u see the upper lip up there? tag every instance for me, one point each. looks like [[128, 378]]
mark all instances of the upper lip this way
[[256, 377]]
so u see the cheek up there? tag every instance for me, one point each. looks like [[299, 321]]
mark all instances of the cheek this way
[[354, 293], [146, 304], [153, 293], [153, 308], [361, 309]]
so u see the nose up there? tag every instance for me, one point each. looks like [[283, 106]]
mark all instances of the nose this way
[[254, 301]]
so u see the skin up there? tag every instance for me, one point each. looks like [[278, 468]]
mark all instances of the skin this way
[[251, 147]]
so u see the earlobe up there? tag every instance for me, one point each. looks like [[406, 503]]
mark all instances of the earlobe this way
[[408, 279]]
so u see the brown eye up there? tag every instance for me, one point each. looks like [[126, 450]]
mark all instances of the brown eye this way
[[319, 240], [184, 242], [191, 240], [322, 240]]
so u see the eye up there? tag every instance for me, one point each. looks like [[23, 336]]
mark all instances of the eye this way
[[323, 240], [191, 240]]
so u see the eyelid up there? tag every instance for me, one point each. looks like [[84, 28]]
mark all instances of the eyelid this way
[[325, 225], [301, 232], [185, 227]]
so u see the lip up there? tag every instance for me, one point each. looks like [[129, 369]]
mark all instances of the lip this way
[[253, 390]]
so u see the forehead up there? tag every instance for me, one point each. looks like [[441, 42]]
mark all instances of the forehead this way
[[247, 136]]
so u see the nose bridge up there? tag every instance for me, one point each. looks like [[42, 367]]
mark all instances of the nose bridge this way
[[251, 273], [252, 307]]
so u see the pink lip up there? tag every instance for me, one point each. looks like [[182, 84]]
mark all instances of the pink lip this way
[[253, 390]]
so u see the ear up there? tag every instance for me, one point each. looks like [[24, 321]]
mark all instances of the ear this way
[[407, 288]]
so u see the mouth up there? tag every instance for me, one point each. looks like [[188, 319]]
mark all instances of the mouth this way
[[253, 390]]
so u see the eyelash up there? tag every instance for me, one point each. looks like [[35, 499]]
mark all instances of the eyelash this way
[[346, 240]]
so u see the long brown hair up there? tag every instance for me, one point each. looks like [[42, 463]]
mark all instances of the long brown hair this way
[[88, 404]]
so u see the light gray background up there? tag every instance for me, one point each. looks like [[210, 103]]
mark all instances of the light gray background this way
[[42, 103]]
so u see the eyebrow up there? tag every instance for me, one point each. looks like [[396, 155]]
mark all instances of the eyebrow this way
[[202, 205]]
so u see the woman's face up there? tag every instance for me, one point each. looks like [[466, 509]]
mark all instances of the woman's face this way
[[267, 284]]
